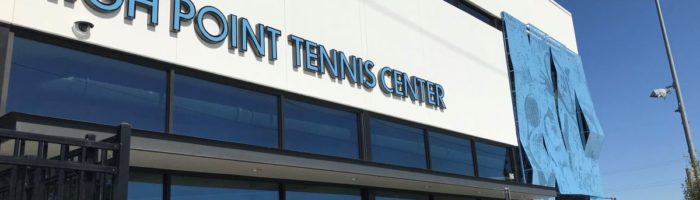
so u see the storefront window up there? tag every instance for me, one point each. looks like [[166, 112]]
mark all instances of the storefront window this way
[[188, 188], [494, 161], [451, 154], [145, 186], [215, 111], [397, 144], [59, 82], [320, 130], [306, 192]]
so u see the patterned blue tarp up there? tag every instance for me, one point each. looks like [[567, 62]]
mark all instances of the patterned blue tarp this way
[[550, 92]]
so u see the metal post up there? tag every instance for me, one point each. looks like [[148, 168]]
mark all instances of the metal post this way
[[679, 94], [122, 176], [507, 193]]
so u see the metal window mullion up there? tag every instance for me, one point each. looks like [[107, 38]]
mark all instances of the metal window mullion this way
[[7, 39], [513, 165], [282, 193], [170, 92], [167, 186], [426, 145], [475, 160], [280, 122], [367, 136], [361, 135], [364, 192]]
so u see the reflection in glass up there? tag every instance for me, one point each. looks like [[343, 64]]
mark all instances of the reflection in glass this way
[[397, 144], [59, 82], [219, 112], [189, 188], [145, 186], [315, 129], [305, 192], [451, 154], [494, 161], [386, 195]]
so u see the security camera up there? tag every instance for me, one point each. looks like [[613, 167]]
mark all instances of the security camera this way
[[662, 92], [83, 26]]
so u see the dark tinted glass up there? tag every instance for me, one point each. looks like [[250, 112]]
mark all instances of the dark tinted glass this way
[[189, 188], [474, 11], [219, 112], [397, 144], [385, 195], [320, 130], [59, 82], [451, 154], [145, 186], [305, 192], [494, 161]]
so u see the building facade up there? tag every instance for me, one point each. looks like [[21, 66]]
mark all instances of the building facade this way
[[311, 99]]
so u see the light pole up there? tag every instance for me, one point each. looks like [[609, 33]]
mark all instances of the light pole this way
[[679, 94]]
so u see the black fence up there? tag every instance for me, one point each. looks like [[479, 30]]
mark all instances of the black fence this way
[[44, 167]]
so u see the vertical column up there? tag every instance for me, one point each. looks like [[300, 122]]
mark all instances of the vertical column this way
[[121, 183], [6, 44]]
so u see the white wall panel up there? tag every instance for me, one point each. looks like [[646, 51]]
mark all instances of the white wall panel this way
[[469, 55], [335, 24], [219, 59], [111, 29], [545, 14], [424, 38], [7, 8]]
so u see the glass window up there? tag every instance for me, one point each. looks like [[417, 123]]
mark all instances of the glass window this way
[[188, 188], [397, 144], [145, 186], [59, 82], [386, 195], [305, 192], [219, 112], [451, 154], [494, 161], [474, 11], [316, 129]]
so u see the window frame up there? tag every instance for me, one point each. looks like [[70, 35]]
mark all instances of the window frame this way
[[509, 154], [299, 98], [227, 82], [7, 39], [422, 128], [471, 149], [82, 48]]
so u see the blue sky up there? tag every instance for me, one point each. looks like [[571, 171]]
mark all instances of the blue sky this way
[[620, 42]]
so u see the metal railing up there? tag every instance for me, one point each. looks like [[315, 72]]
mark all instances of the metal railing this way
[[37, 167]]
